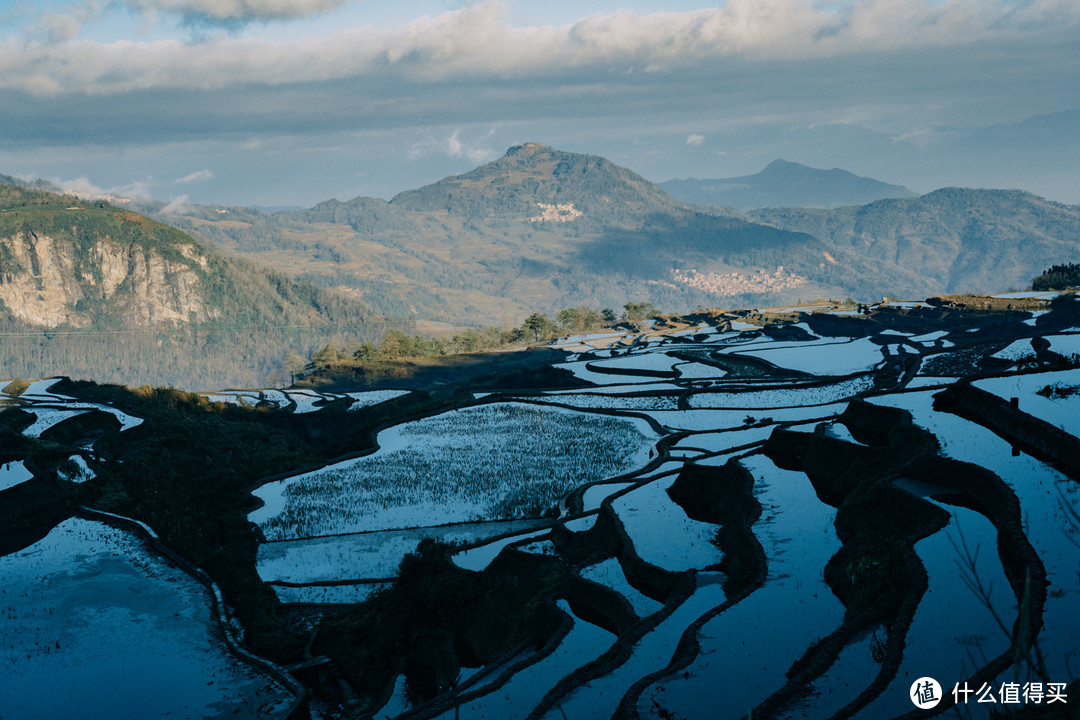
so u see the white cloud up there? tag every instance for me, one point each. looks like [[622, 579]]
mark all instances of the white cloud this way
[[476, 42], [176, 205], [453, 146], [197, 176], [745, 76], [82, 187], [136, 189], [695, 139], [936, 136]]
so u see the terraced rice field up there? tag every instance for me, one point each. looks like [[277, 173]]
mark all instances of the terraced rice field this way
[[733, 521], [95, 621], [703, 644], [488, 462]]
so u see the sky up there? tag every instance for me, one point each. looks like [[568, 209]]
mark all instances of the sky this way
[[291, 102]]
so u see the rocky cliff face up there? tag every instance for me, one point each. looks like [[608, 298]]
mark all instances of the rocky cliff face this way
[[57, 283]]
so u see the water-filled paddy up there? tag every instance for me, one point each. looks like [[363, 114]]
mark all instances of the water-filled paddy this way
[[98, 627]]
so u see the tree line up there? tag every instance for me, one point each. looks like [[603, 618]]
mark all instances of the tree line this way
[[538, 327], [1058, 277]]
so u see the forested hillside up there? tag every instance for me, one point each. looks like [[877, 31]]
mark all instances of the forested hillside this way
[[517, 185], [534, 231], [92, 290], [950, 240], [539, 230]]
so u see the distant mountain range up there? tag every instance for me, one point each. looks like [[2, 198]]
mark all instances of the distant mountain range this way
[[92, 290], [950, 240], [536, 230], [786, 184], [540, 230]]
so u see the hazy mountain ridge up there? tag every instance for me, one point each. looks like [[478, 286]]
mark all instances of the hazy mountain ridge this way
[[540, 230], [28, 184], [954, 239], [536, 230], [785, 184]]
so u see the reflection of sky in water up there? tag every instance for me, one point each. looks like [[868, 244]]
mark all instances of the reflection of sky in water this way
[[746, 649], [100, 627]]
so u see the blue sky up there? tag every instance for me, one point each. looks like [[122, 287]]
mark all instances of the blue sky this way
[[289, 102]]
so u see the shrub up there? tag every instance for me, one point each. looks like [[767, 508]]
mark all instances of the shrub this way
[[1058, 277]]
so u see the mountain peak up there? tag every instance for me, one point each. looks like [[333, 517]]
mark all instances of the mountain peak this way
[[786, 184], [530, 177], [787, 168], [527, 149], [781, 164]]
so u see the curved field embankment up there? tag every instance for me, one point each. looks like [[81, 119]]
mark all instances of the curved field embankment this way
[[297, 708]]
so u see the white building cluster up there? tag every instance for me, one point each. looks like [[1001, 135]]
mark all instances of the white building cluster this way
[[738, 283], [560, 212]]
